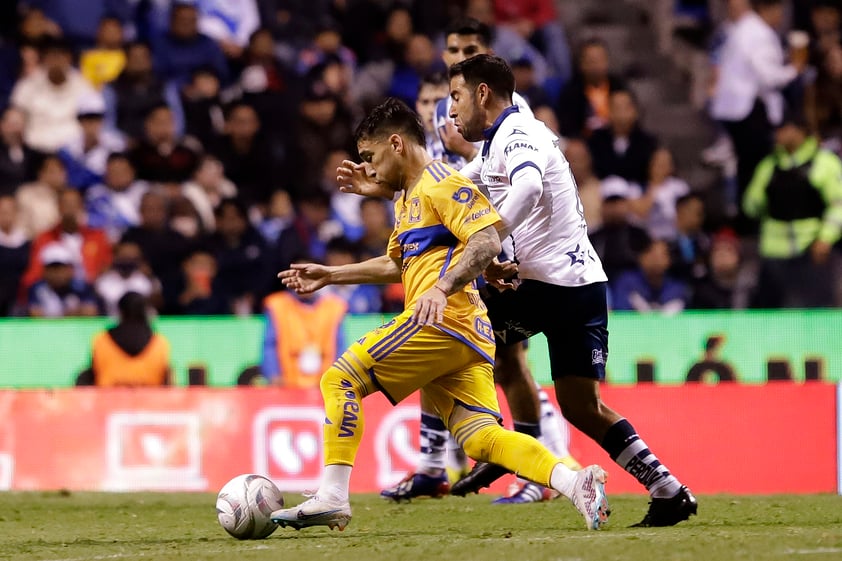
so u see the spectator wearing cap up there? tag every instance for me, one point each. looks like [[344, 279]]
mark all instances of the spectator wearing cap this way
[[86, 154], [114, 204], [14, 254], [183, 48], [56, 291], [796, 194], [622, 148], [130, 354], [106, 60], [584, 103], [50, 98], [617, 241], [89, 246], [135, 92], [18, 162], [38, 201]]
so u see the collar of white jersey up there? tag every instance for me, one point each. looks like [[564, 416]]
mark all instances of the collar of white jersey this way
[[492, 130]]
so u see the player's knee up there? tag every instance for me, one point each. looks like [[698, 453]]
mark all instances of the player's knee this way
[[479, 443], [335, 380]]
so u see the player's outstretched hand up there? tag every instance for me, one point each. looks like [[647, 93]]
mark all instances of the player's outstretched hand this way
[[429, 308], [354, 178], [305, 278], [500, 275]]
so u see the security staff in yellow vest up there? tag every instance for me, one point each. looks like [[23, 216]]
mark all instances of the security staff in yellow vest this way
[[303, 337], [130, 354]]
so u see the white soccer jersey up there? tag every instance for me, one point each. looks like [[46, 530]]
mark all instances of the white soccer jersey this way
[[442, 117], [551, 244]]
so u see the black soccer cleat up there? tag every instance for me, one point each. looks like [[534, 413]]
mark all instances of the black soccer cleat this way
[[482, 475], [669, 512]]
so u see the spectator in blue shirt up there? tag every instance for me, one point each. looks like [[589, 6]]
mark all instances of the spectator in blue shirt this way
[[649, 288], [183, 49], [114, 204], [58, 293]]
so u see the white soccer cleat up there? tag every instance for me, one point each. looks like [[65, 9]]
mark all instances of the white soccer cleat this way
[[589, 496], [316, 511]]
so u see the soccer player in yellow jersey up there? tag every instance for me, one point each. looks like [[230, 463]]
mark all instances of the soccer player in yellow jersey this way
[[445, 235]]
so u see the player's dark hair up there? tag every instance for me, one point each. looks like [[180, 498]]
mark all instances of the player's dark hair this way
[[486, 69], [390, 117], [470, 26], [123, 156]]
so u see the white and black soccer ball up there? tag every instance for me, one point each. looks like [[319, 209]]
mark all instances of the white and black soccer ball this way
[[244, 505]]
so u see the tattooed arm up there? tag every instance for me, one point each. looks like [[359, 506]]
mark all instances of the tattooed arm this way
[[481, 248]]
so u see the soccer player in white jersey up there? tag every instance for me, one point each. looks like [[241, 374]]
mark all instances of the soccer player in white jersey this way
[[562, 286], [532, 411], [434, 88]]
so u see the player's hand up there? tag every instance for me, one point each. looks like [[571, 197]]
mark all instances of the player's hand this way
[[429, 308], [305, 278], [354, 178], [499, 275], [455, 142], [820, 252]]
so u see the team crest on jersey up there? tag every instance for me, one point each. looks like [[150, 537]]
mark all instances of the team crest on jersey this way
[[597, 357], [414, 210], [463, 195]]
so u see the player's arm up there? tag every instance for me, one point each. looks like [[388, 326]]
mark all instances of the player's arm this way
[[525, 162], [305, 278], [481, 248]]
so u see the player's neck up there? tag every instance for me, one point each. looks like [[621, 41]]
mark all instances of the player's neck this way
[[494, 109], [417, 159]]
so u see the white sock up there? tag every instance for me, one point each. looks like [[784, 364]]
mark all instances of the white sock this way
[[555, 433], [434, 437], [336, 481], [563, 480]]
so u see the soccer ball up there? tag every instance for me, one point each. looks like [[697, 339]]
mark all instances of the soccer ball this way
[[244, 505]]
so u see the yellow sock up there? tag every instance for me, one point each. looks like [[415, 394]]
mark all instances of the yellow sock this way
[[344, 423], [485, 440]]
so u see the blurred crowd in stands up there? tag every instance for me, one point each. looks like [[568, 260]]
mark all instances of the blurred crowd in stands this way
[[186, 150]]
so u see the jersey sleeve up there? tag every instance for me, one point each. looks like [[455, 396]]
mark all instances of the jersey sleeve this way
[[521, 151], [461, 207], [393, 248]]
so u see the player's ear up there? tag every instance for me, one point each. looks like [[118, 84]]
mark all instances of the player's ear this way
[[482, 94], [396, 142]]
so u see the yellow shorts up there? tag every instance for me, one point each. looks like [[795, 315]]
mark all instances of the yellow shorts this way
[[400, 358]]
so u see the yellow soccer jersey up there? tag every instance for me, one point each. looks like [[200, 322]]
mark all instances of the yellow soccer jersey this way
[[432, 225]]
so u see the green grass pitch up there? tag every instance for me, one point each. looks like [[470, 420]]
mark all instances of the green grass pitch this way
[[164, 527]]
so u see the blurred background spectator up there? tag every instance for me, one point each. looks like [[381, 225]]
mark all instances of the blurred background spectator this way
[[200, 138], [56, 291]]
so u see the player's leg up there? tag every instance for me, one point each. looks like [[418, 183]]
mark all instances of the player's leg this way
[[577, 356], [468, 401], [430, 477], [353, 376]]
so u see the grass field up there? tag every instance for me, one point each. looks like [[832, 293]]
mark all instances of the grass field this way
[[164, 527]]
